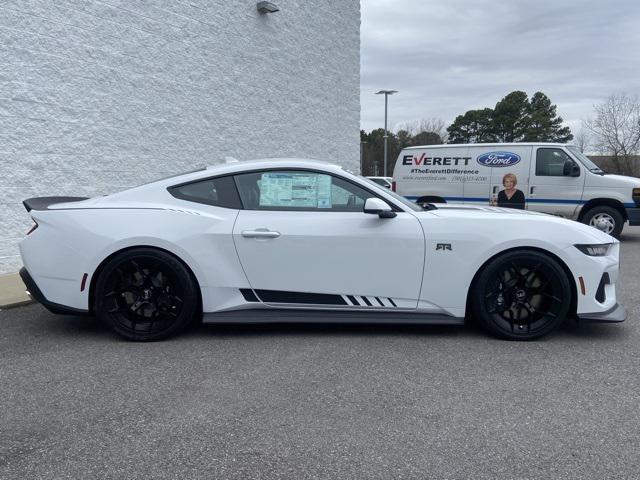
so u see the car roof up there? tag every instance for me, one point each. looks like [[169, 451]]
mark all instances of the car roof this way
[[454, 145], [239, 166]]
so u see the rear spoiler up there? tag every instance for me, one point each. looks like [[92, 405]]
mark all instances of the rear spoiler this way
[[43, 203]]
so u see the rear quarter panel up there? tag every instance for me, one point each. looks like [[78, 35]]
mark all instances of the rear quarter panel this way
[[69, 243]]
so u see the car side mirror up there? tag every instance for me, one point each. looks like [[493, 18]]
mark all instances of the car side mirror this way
[[375, 206], [570, 169]]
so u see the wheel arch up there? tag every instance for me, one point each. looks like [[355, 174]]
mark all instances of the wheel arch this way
[[573, 307], [106, 260], [430, 199], [603, 202]]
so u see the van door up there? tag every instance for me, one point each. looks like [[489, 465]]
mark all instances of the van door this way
[[557, 182], [510, 161], [477, 178]]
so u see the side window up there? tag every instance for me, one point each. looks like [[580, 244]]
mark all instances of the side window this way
[[550, 162], [219, 192], [299, 190]]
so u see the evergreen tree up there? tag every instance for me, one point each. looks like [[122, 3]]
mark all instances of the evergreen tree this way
[[511, 117], [544, 124], [475, 126], [514, 119]]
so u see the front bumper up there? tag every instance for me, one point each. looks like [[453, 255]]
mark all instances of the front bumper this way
[[633, 214], [36, 294], [616, 314]]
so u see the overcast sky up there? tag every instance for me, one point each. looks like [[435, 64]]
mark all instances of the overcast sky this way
[[447, 57]]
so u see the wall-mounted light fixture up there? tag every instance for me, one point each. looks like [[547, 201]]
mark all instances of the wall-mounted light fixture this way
[[267, 7]]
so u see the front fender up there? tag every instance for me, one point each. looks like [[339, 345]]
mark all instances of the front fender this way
[[448, 273]]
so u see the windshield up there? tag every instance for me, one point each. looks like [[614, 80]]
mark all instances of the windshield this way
[[586, 161], [413, 206]]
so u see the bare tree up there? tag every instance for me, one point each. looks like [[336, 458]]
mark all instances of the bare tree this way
[[425, 125], [582, 140], [616, 130]]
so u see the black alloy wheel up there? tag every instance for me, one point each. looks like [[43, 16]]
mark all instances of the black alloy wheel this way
[[522, 295], [146, 294]]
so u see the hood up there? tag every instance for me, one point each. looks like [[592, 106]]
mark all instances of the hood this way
[[510, 218], [612, 181], [484, 208]]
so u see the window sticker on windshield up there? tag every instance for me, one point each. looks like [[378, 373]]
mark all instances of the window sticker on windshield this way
[[295, 190]]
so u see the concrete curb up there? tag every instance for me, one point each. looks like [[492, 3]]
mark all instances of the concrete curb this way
[[12, 292]]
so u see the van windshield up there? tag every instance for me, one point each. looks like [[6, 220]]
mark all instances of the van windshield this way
[[586, 161]]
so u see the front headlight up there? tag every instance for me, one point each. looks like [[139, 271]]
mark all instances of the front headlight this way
[[598, 250]]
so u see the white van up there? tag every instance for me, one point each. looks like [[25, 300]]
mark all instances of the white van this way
[[554, 178]]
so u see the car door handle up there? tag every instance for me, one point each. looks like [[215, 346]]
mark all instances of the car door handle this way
[[260, 233], [531, 190]]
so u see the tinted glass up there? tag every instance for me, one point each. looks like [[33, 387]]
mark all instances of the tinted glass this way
[[220, 192], [550, 162], [299, 190], [586, 161]]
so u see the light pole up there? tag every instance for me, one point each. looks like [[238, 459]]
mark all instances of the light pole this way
[[362, 144], [386, 135]]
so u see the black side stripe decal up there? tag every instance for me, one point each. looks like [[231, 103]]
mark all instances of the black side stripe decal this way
[[281, 296], [248, 295], [353, 300]]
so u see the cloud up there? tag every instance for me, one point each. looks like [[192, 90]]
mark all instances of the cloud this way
[[447, 58]]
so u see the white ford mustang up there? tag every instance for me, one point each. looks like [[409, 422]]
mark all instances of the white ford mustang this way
[[297, 240]]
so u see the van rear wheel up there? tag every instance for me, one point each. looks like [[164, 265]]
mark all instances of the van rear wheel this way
[[606, 219]]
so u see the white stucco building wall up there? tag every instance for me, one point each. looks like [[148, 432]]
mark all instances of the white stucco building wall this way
[[97, 96]]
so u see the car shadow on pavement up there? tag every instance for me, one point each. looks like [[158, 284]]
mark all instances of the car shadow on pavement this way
[[627, 237], [342, 329], [42, 321], [593, 331], [569, 330]]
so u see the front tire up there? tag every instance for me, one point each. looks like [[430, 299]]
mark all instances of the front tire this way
[[521, 295], [146, 294], [606, 219]]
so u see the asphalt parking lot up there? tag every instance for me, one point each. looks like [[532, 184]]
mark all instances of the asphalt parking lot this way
[[318, 401]]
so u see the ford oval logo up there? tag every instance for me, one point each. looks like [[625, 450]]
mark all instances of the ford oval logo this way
[[498, 159]]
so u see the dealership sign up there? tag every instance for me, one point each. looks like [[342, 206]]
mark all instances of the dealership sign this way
[[498, 159]]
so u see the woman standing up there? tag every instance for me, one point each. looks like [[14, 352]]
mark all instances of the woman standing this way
[[510, 197]]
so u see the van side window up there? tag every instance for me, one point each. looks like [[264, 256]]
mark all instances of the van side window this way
[[550, 162]]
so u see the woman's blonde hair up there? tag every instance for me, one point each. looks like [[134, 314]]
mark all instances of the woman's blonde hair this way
[[510, 176]]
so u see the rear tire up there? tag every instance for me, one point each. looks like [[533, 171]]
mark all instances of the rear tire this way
[[521, 295], [146, 294], [606, 219]]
